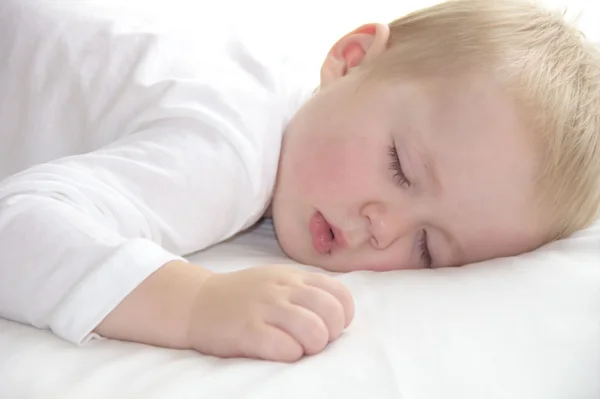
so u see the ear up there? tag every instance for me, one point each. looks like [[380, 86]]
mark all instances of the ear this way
[[357, 47]]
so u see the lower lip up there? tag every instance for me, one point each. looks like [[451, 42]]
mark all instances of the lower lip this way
[[321, 234]]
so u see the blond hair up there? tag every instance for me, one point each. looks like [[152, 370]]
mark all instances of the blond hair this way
[[553, 72]]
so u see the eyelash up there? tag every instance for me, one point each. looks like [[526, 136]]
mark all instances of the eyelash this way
[[402, 180], [425, 254], [396, 167]]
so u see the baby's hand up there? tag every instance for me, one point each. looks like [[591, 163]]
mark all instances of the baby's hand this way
[[271, 312]]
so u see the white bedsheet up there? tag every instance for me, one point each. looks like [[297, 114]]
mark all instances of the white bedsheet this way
[[526, 327]]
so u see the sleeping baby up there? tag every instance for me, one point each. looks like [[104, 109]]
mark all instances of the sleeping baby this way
[[455, 134]]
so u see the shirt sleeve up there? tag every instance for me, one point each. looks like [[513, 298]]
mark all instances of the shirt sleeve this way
[[191, 161], [78, 234]]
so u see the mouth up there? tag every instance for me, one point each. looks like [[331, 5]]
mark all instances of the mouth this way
[[325, 237]]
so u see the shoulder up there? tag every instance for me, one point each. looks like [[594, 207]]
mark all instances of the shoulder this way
[[131, 66]]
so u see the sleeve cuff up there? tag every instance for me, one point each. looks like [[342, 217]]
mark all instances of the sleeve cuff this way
[[103, 290]]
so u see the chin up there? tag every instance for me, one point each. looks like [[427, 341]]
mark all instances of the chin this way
[[296, 253]]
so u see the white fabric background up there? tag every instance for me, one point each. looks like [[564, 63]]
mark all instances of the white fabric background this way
[[312, 25]]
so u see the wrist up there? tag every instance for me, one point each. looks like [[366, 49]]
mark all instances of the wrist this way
[[192, 279]]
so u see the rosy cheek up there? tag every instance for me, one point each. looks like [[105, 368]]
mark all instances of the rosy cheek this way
[[348, 173], [326, 172], [331, 161]]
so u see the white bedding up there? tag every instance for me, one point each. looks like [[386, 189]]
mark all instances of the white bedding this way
[[526, 327], [518, 328]]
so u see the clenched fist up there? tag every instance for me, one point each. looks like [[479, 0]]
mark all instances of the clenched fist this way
[[271, 312]]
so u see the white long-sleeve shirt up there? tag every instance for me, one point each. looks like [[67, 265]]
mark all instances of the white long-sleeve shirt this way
[[124, 146]]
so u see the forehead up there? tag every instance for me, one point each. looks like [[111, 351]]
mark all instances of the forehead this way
[[485, 162]]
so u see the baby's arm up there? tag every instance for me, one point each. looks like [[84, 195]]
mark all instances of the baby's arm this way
[[270, 312], [159, 310], [81, 234], [93, 242]]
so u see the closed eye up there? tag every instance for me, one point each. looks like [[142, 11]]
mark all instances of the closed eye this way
[[401, 179], [396, 167], [424, 250]]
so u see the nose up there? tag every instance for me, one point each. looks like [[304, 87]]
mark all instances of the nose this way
[[384, 227]]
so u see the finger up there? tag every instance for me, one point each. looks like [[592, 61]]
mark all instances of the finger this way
[[305, 326], [325, 305], [269, 342], [335, 288]]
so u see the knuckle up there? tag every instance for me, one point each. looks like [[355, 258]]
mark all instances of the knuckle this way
[[327, 307], [315, 336], [282, 276], [320, 278], [273, 293]]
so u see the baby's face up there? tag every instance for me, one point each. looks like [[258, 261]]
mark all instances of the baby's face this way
[[406, 175]]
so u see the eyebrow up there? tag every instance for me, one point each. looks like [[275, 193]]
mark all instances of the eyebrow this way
[[432, 181]]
